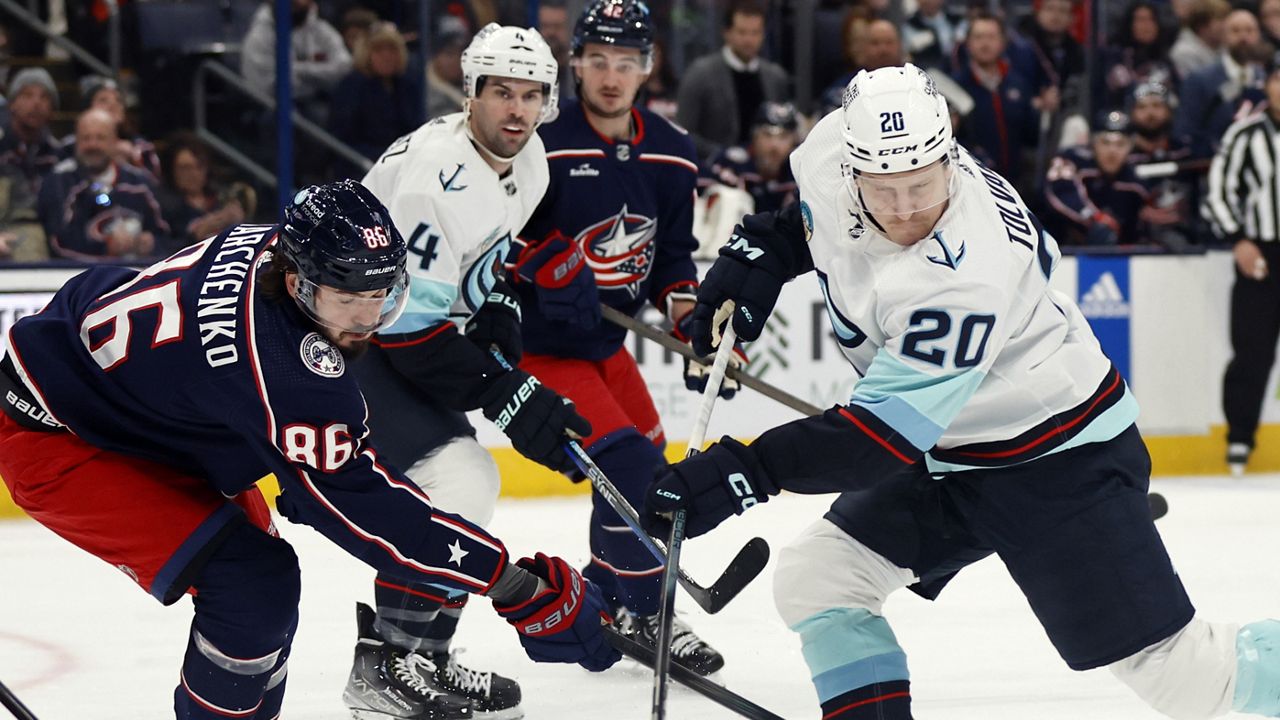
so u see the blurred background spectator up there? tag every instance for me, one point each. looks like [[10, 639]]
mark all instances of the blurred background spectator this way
[[719, 93], [355, 25], [1174, 194], [444, 72], [320, 58], [193, 206], [22, 238], [380, 100], [1093, 195], [93, 207], [931, 34], [1200, 37], [1217, 94], [659, 91], [28, 144], [556, 27], [131, 149], [870, 45], [761, 168], [1138, 53]]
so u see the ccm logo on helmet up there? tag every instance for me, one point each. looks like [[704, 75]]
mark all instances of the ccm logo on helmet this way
[[899, 150]]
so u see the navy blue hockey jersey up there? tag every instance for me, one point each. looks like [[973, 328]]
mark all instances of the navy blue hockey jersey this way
[[630, 206], [187, 364]]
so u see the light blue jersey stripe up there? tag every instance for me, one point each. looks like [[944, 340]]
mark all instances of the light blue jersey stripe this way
[[847, 648], [429, 303], [1113, 421], [918, 405], [868, 671]]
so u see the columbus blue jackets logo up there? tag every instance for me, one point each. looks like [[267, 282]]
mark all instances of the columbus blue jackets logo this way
[[620, 250], [321, 357]]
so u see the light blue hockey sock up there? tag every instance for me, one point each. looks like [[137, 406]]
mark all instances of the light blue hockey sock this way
[[847, 649], [1258, 669]]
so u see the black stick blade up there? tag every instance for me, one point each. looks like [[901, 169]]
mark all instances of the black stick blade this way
[[748, 564]]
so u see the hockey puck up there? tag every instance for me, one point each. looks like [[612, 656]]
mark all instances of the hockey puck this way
[[1159, 506]]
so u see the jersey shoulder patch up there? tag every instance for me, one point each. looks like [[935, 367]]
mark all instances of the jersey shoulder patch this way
[[321, 357]]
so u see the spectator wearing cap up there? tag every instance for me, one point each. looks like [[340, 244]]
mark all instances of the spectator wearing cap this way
[[720, 92], [1200, 38], [761, 168], [1004, 122], [1216, 95], [93, 207], [380, 100], [1241, 206], [320, 58], [931, 35], [1093, 195], [27, 143], [444, 72], [131, 149], [1138, 53], [1171, 214]]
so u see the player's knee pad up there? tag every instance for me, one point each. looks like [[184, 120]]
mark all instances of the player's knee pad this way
[[847, 649], [1188, 675], [1258, 669], [825, 568], [247, 594], [461, 477]]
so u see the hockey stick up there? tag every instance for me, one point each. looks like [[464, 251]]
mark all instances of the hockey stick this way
[[648, 332], [666, 608], [744, 568], [14, 705], [719, 694]]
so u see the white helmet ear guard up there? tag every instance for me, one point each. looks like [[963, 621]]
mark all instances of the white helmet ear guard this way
[[512, 52], [895, 120]]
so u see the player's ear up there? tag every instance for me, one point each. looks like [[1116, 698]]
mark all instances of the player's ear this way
[[291, 284]]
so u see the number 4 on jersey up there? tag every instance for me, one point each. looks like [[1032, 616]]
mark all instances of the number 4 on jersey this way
[[422, 243]]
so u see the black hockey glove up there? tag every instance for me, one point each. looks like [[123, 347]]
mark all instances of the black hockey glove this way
[[497, 323], [564, 285], [725, 480], [534, 417], [766, 251], [697, 373]]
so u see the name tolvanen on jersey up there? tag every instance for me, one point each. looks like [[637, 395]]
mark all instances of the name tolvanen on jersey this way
[[1016, 223], [220, 292]]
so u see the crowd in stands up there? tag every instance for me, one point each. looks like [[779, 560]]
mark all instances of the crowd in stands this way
[[1107, 135]]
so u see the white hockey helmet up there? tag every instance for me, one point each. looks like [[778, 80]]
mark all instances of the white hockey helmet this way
[[896, 122], [512, 52]]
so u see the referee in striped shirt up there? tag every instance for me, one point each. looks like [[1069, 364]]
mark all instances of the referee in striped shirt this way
[[1243, 207]]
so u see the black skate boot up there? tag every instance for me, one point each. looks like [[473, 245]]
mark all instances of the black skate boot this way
[[492, 696], [687, 648], [389, 682]]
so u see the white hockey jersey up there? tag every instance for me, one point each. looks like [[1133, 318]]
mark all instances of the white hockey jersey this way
[[456, 214], [962, 348]]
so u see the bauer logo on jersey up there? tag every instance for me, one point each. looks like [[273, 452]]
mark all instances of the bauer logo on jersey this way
[[321, 357], [620, 250]]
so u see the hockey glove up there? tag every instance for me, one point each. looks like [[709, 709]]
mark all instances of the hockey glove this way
[[725, 480], [697, 373], [764, 252], [562, 622], [564, 285], [497, 323], [534, 417]]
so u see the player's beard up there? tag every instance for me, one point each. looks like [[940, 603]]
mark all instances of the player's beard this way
[[499, 144], [353, 350]]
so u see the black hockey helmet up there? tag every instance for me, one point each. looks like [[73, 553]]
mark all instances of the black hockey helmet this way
[[623, 23], [339, 235], [781, 115]]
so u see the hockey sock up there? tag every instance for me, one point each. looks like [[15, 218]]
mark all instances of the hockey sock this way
[[416, 616], [629, 462], [1258, 669], [246, 606], [858, 668]]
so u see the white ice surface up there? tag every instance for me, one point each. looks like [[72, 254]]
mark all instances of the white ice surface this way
[[79, 640]]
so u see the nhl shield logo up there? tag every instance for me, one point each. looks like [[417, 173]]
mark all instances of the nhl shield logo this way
[[321, 357]]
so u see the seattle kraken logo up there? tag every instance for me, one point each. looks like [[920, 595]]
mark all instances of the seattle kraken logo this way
[[449, 185], [948, 259], [620, 250]]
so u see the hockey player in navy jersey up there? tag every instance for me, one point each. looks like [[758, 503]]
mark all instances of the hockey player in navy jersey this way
[[615, 227], [141, 407], [461, 187], [985, 420]]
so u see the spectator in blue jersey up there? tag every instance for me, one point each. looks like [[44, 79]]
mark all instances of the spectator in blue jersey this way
[[192, 205], [139, 410], [1217, 95], [26, 142], [1005, 121], [761, 168], [1174, 191], [719, 93], [616, 223], [380, 100], [94, 208], [1094, 196]]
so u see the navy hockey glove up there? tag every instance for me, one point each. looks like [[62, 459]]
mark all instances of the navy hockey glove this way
[[497, 323], [563, 622], [564, 285], [697, 373], [534, 417], [725, 480], [764, 252]]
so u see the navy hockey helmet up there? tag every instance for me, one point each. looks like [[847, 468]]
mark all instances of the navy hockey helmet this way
[[622, 23], [340, 236]]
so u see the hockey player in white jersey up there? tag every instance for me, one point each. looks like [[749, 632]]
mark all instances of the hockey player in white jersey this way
[[458, 188], [985, 420]]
